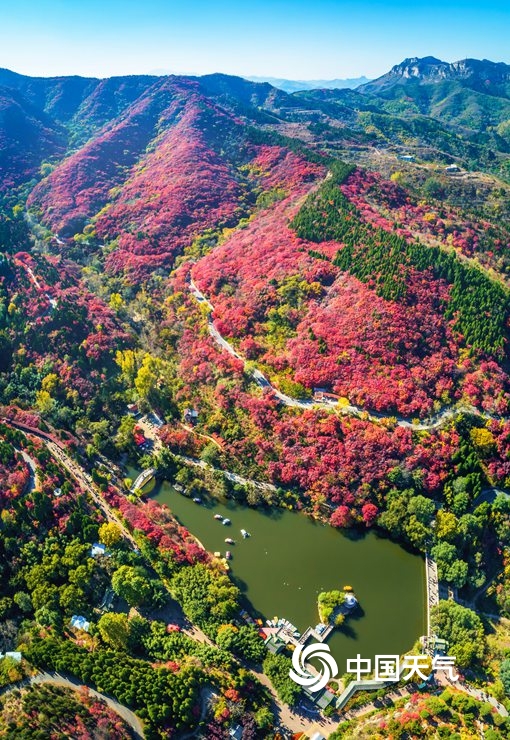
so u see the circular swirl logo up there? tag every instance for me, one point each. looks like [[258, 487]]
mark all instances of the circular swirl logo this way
[[302, 676]]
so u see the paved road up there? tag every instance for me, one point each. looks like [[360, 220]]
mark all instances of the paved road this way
[[435, 422], [58, 680], [34, 478], [78, 473], [489, 495], [200, 434], [86, 483], [295, 720], [206, 696], [366, 708]]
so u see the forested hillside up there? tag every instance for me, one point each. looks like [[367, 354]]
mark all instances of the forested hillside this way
[[287, 300]]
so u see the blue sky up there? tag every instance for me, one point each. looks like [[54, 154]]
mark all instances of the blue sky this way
[[318, 39]]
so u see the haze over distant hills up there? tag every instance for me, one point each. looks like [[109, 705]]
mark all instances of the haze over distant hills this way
[[291, 86]]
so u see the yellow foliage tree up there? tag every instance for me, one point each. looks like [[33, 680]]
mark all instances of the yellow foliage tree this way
[[50, 383], [129, 361], [44, 401], [146, 377], [482, 439], [110, 534], [447, 525], [116, 301]]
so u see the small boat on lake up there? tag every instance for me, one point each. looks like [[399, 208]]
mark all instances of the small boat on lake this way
[[228, 555], [218, 517], [230, 541], [197, 500], [245, 533], [226, 521]]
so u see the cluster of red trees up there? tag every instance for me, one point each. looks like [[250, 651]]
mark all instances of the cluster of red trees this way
[[22, 416], [254, 262], [78, 325], [377, 198], [374, 351], [160, 528], [498, 456], [174, 193], [344, 461], [336, 459], [80, 186], [182, 441], [487, 387], [276, 167], [299, 315], [14, 477], [340, 333], [341, 460]]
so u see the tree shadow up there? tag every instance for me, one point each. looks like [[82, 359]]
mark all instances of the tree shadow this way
[[348, 630]]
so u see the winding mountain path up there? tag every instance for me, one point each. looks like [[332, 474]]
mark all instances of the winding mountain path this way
[[151, 433], [71, 683], [435, 422]]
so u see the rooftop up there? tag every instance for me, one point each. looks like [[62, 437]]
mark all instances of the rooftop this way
[[98, 549], [80, 623]]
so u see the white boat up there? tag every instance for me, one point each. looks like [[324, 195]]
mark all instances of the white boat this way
[[245, 533], [228, 555], [226, 521], [197, 500], [230, 541], [218, 517]]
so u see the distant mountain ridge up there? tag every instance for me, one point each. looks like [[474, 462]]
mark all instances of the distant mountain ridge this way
[[291, 86], [459, 110], [427, 70]]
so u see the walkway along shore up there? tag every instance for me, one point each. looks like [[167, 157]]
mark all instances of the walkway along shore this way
[[432, 582], [292, 719]]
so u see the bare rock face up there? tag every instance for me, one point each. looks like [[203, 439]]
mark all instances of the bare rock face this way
[[431, 70]]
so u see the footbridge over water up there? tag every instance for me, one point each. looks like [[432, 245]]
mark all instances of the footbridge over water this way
[[143, 479]]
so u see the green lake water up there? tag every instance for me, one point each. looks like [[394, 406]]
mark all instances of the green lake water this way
[[289, 559]]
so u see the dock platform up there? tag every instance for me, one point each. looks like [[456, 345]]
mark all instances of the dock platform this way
[[311, 632]]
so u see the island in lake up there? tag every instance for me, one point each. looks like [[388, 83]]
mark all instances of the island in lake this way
[[334, 606]]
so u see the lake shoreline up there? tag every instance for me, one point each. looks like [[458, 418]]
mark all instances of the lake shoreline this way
[[276, 576]]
